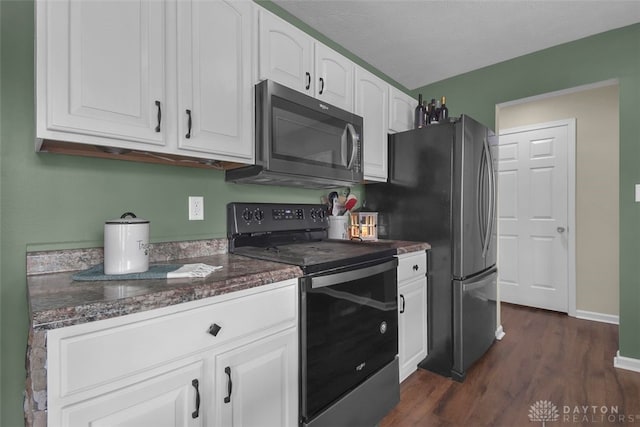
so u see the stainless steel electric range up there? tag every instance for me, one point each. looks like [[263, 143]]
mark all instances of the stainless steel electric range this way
[[348, 310]]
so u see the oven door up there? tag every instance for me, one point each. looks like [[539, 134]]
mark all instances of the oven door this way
[[301, 135], [349, 330]]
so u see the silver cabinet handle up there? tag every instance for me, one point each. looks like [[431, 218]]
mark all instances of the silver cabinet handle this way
[[560, 230]]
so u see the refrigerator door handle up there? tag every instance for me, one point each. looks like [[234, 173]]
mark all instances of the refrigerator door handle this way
[[492, 192], [487, 231], [481, 199]]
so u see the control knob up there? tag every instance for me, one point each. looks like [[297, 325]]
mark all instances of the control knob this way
[[258, 214], [247, 215]]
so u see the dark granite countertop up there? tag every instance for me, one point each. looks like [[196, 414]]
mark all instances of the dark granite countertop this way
[[404, 246], [56, 300]]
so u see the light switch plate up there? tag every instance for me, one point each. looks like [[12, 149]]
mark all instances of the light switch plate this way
[[637, 192]]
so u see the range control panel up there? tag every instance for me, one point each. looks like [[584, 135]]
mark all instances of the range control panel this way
[[287, 213], [268, 217]]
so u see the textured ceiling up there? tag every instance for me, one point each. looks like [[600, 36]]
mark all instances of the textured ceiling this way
[[423, 41]]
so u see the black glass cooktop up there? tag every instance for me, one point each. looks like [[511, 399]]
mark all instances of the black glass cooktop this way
[[321, 255], [295, 234]]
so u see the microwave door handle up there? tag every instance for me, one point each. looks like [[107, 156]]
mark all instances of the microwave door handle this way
[[354, 143]]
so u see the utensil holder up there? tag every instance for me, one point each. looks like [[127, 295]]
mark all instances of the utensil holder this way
[[339, 227]]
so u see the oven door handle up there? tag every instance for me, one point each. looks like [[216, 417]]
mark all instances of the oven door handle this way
[[348, 276]]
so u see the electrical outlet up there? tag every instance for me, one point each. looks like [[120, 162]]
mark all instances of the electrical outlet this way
[[196, 208]]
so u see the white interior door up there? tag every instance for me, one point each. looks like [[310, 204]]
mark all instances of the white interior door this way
[[533, 215]]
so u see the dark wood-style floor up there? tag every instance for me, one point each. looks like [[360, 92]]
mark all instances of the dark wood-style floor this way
[[545, 356]]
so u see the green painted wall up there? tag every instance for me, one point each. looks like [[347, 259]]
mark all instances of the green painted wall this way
[[611, 55], [54, 201]]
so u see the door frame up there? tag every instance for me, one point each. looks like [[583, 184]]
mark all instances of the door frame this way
[[571, 199]]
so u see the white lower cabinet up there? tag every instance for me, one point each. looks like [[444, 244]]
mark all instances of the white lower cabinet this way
[[167, 400], [256, 383], [221, 361], [412, 311]]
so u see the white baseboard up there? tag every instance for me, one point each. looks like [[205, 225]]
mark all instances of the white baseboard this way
[[598, 317], [627, 363], [500, 333]]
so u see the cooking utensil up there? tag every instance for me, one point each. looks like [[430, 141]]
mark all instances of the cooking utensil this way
[[350, 203], [333, 200]]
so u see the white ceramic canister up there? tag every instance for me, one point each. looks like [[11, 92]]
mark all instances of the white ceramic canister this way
[[126, 245]]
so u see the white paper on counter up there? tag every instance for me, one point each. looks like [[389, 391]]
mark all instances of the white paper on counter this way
[[193, 270]]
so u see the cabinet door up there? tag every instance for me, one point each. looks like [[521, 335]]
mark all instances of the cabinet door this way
[[285, 52], [257, 384], [167, 400], [401, 107], [334, 77], [214, 72], [412, 325], [371, 104], [101, 69]]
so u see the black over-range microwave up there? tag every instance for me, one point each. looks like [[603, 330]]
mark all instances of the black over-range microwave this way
[[302, 141]]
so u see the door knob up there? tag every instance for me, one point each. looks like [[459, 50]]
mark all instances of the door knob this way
[[560, 230]]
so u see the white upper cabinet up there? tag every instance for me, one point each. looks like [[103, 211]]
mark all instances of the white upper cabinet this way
[[215, 94], [401, 108], [124, 74], [334, 77], [101, 69], [294, 59], [286, 53], [372, 103]]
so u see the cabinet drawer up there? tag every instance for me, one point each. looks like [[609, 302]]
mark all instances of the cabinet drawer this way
[[85, 359], [412, 265]]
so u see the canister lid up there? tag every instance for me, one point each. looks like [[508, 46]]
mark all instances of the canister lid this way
[[128, 218]]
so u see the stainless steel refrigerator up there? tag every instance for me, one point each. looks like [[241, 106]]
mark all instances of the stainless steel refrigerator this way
[[442, 190]]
